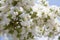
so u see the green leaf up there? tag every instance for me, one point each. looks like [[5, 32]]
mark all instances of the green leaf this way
[[0, 19], [14, 3], [0, 4], [42, 13], [51, 10], [18, 35], [11, 31], [19, 12], [0, 11], [28, 11], [50, 34], [5, 27], [9, 16], [48, 17], [24, 38], [30, 35], [19, 30], [34, 15], [54, 28], [4, 0], [43, 32], [59, 38], [45, 19], [45, 4], [35, 21]]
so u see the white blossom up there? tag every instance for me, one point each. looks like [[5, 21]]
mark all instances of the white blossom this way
[[27, 19]]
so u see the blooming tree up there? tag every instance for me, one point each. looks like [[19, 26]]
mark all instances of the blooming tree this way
[[25, 19]]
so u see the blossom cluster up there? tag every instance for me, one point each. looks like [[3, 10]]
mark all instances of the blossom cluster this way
[[26, 19]]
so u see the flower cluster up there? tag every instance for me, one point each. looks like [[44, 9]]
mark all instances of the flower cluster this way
[[25, 19]]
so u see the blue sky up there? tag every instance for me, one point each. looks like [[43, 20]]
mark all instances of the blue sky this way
[[54, 2]]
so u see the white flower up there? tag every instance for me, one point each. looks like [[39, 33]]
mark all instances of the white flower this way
[[25, 16], [43, 24], [26, 23]]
